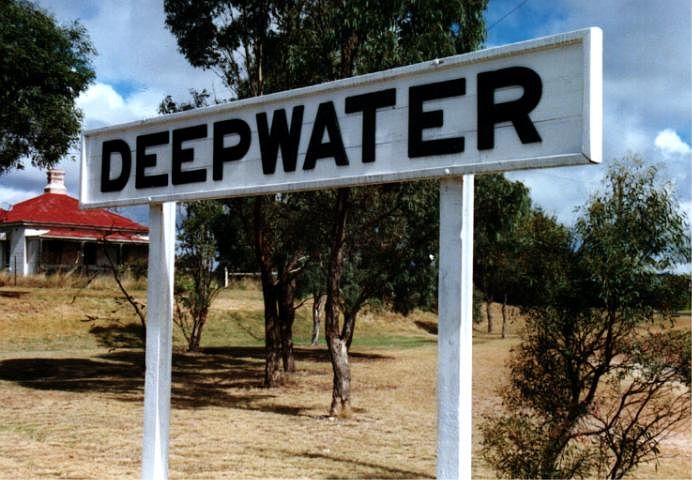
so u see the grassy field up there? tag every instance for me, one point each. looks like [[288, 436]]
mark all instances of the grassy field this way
[[71, 378]]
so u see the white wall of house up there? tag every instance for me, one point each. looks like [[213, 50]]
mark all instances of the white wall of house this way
[[25, 250], [17, 242], [33, 254], [3, 252]]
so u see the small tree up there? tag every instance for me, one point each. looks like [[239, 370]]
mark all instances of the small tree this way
[[196, 284], [593, 390]]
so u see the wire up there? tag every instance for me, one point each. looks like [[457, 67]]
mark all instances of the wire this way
[[517, 7]]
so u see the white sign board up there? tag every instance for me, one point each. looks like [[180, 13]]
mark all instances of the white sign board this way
[[527, 105]]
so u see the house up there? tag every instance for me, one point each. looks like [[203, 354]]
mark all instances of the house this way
[[50, 233]]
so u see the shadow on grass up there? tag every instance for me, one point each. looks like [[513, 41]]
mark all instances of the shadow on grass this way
[[429, 327], [116, 336], [373, 470], [226, 377]]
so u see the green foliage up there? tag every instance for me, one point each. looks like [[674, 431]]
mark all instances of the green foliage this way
[[674, 292], [339, 39], [267, 46], [196, 285], [392, 249], [44, 67], [516, 445], [631, 233], [592, 390], [500, 209], [545, 257]]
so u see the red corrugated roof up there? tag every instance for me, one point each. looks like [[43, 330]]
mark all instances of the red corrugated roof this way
[[55, 210]]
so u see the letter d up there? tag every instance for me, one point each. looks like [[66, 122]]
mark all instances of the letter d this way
[[116, 184]]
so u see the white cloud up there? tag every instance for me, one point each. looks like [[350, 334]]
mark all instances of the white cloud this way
[[103, 105], [647, 77], [669, 142], [19, 185], [134, 47], [560, 191]]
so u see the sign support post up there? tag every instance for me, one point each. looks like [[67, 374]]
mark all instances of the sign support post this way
[[455, 333], [159, 340]]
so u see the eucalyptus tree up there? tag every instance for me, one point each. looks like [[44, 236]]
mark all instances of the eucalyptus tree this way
[[501, 206], [44, 67], [244, 42], [341, 39], [262, 47], [600, 376]]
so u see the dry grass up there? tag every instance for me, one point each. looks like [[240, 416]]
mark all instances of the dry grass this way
[[71, 280], [72, 408]]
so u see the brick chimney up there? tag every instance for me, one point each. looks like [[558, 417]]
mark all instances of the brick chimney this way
[[56, 182]]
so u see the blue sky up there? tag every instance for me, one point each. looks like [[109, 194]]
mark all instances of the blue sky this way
[[647, 82]]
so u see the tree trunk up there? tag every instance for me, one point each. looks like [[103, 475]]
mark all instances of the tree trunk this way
[[338, 351], [197, 327], [316, 302], [488, 303], [272, 338], [272, 334], [504, 317], [193, 343], [349, 327], [341, 389], [287, 315]]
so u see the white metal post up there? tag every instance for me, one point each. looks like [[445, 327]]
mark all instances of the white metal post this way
[[157, 381], [455, 334]]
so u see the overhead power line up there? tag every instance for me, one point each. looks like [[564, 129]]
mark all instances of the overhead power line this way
[[516, 7]]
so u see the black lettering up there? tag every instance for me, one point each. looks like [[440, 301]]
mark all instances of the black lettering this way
[[235, 152], [419, 120], [108, 148], [181, 155], [280, 136], [368, 103], [144, 161], [325, 120], [516, 111]]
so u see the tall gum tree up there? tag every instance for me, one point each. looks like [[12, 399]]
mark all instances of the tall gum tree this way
[[341, 39], [242, 41], [260, 47], [44, 67]]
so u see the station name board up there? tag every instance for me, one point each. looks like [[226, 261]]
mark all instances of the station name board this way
[[528, 105]]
